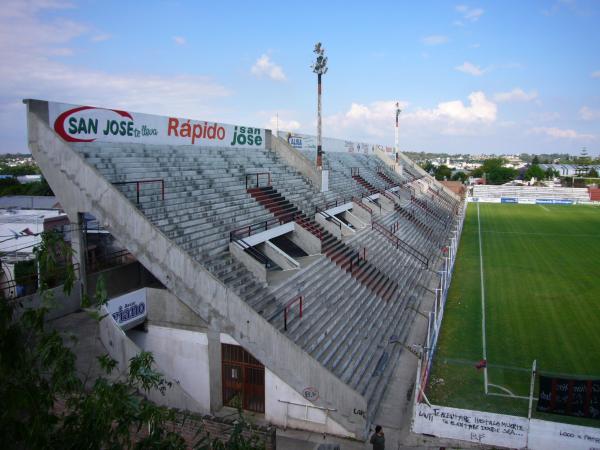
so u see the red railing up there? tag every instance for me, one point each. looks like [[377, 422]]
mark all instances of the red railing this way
[[29, 284], [359, 202], [400, 244], [388, 196], [330, 204], [299, 299], [111, 260], [138, 183], [258, 176], [254, 228]]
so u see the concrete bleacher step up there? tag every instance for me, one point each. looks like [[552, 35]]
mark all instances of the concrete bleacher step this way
[[352, 306]]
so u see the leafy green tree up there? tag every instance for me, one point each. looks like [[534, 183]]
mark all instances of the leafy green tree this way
[[428, 167], [535, 171], [535, 160], [442, 172], [501, 175], [38, 374], [593, 173], [22, 169], [459, 176], [551, 173]]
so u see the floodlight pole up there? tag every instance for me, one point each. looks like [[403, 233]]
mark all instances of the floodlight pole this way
[[319, 146], [397, 141], [320, 68]]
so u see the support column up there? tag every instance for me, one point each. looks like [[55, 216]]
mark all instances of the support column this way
[[214, 370], [79, 246]]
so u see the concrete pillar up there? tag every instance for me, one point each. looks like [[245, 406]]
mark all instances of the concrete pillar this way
[[214, 370], [79, 246]]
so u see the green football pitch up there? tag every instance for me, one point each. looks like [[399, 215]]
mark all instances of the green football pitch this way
[[526, 286]]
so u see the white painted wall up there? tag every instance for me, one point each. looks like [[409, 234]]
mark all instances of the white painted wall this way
[[295, 416], [275, 411], [182, 355], [544, 435], [471, 426], [502, 430]]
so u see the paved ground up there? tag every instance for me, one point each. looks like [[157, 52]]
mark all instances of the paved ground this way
[[87, 346]]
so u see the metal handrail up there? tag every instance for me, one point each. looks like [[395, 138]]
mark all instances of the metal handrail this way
[[140, 182], [258, 176], [370, 200], [257, 254], [249, 230], [102, 262], [401, 244], [33, 280], [359, 202], [331, 218]]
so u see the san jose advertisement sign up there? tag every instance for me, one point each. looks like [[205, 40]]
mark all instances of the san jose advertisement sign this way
[[91, 124]]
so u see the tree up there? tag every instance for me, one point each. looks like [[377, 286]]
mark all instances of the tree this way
[[459, 176], [443, 172], [593, 173], [427, 166], [38, 373], [501, 175], [535, 171], [551, 173], [535, 160]]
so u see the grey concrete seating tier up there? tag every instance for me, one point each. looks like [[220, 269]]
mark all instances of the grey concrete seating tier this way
[[345, 326]]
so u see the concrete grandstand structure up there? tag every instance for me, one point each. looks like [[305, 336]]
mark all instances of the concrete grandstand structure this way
[[287, 289]]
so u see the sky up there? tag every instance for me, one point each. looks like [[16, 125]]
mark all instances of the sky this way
[[471, 77]]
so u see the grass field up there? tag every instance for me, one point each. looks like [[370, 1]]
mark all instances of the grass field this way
[[541, 280]]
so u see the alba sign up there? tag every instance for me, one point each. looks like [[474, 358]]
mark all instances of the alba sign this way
[[91, 124]]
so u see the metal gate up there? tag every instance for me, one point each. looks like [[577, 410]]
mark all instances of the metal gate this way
[[243, 379]]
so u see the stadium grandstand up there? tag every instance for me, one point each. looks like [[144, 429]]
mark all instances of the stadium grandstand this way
[[288, 290], [575, 195]]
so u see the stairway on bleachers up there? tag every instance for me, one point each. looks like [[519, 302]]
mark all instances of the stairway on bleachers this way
[[347, 258]]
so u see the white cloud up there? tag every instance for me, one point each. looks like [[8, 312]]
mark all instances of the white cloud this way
[[101, 37], [376, 120], [516, 95], [561, 133], [265, 67], [275, 123], [469, 14], [479, 110], [471, 69], [587, 113], [434, 39], [179, 40], [28, 48], [596, 74]]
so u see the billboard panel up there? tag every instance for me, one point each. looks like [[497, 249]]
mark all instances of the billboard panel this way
[[91, 124], [309, 142]]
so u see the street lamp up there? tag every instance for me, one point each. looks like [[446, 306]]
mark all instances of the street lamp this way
[[320, 68]]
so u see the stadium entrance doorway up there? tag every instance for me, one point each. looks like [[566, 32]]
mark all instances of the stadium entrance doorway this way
[[243, 379]]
